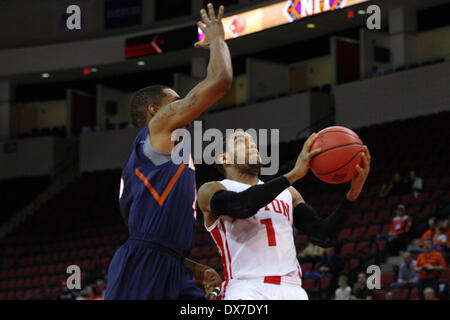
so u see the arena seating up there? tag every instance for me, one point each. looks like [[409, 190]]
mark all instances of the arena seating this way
[[81, 225], [16, 197]]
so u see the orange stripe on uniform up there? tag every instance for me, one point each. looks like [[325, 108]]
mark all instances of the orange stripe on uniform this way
[[162, 198]]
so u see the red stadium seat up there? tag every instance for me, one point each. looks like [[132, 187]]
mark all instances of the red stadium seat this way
[[354, 219], [324, 283], [380, 294], [307, 267], [363, 247], [386, 229], [358, 233], [369, 217], [400, 294], [215, 262], [393, 201], [373, 231], [445, 275], [308, 284], [423, 197], [407, 199], [414, 294], [352, 264], [387, 278], [383, 216], [344, 234], [348, 249], [379, 203]]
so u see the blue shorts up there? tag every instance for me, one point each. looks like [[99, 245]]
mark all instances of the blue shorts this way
[[140, 270]]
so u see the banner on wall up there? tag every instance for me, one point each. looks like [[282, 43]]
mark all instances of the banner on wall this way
[[277, 14], [120, 14]]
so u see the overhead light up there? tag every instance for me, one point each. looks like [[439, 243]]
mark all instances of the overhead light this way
[[141, 63], [94, 69], [361, 12], [310, 25], [45, 75]]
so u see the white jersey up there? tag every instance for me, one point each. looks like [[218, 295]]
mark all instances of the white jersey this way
[[261, 246]]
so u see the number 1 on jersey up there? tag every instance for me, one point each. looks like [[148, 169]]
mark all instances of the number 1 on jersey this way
[[270, 232]]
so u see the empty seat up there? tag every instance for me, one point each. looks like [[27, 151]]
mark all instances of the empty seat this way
[[380, 294], [344, 234], [414, 294], [307, 267], [387, 278], [369, 217], [324, 283], [400, 294], [373, 231], [358, 233], [308, 284], [348, 249]]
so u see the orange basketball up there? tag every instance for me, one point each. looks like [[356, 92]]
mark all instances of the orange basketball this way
[[341, 152]]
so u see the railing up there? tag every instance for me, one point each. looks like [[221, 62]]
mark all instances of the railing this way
[[64, 172]]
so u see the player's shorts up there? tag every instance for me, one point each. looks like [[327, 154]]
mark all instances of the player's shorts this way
[[141, 270], [269, 288]]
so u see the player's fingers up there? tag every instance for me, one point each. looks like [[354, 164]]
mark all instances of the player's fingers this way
[[221, 10], [367, 152], [202, 26], [205, 17], [314, 152], [212, 15], [201, 44], [309, 141]]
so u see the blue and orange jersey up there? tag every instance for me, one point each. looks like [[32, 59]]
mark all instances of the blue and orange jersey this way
[[159, 201]]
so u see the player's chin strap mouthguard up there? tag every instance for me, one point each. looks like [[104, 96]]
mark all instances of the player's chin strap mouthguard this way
[[321, 232]]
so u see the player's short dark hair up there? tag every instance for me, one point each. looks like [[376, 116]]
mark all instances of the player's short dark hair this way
[[143, 98]]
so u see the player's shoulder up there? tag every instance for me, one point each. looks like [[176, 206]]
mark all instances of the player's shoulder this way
[[209, 188]]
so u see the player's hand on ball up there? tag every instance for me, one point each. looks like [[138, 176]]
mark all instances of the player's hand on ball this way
[[360, 177], [211, 280], [302, 164], [211, 26]]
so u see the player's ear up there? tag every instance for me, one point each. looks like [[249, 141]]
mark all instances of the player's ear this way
[[221, 158], [152, 109]]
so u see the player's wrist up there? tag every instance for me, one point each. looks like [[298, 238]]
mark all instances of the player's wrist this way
[[292, 177]]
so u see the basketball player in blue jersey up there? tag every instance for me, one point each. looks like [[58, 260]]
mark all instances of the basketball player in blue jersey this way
[[157, 196]]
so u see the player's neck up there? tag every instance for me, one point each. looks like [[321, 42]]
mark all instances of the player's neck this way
[[243, 177]]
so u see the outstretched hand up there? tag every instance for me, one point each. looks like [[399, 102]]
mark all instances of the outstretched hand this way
[[211, 26], [302, 164], [361, 175]]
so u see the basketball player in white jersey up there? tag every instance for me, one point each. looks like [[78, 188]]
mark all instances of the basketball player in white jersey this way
[[252, 222]]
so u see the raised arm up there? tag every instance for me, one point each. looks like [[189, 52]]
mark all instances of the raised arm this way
[[217, 82]]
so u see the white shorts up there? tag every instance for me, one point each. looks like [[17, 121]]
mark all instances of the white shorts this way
[[257, 289]]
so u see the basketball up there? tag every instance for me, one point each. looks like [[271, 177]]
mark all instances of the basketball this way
[[341, 152]]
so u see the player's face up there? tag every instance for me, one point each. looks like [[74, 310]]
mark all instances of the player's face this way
[[242, 148]]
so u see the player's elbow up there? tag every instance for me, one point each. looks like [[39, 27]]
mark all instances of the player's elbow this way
[[222, 83]]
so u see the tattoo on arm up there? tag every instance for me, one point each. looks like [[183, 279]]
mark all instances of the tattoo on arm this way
[[177, 107]]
